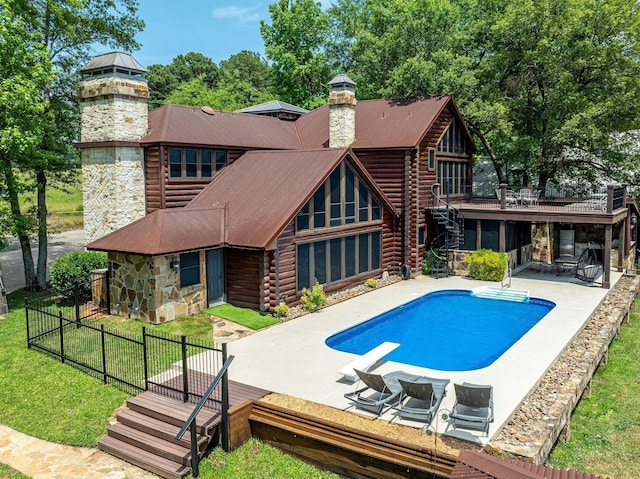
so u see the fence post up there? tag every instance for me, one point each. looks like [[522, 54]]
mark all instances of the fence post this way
[[226, 447], [146, 359], [61, 339], [105, 278], [26, 312], [185, 378], [104, 355], [76, 300]]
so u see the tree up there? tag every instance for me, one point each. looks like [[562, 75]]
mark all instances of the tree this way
[[164, 80], [54, 45], [548, 87], [247, 67], [294, 42]]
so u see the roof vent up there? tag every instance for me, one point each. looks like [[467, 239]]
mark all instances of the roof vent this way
[[208, 110]]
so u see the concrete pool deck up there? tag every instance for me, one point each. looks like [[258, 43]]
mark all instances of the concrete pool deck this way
[[291, 358]]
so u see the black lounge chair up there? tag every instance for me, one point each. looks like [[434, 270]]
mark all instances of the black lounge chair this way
[[421, 398], [379, 391], [473, 408]]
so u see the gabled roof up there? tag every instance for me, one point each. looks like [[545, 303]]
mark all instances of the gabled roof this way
[[476, 465], [274, 106], [187, 125], [380, 123], [261, 192], [264, 190], [163, 232]]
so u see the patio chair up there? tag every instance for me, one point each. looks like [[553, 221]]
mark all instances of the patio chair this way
[[525, 196], [421, 398], [588, 267], [379, 390], [473, 407]]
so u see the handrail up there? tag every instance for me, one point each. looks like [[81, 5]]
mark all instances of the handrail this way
[[190, 422]]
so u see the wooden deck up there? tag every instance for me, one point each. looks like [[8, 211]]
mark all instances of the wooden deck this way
[[146, 429]]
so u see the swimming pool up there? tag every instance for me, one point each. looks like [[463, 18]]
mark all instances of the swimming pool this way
[[449, 330]]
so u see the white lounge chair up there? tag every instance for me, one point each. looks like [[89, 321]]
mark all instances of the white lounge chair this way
[[364, 362]]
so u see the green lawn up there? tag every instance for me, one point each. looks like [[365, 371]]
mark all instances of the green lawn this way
[[7, 473], [243, 316], [605, 428]]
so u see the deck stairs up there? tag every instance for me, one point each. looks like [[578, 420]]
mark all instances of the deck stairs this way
[[145, 432], [451, 223]]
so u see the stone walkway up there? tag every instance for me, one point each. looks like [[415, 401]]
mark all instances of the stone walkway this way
[[40, 459]]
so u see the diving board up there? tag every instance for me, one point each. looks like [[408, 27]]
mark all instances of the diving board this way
[[368, 359], [508, 294]]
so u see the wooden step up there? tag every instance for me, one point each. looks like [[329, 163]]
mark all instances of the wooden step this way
[[149, 443], [173, 412], [144, 459], [158, 428]]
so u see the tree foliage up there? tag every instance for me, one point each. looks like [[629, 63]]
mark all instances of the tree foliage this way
[[549, 88], [55, 39], [295, 42]]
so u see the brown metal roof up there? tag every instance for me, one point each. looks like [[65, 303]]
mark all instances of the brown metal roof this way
[[189, 125], [264, 190], [379, 123], [167, 231], [476, 465]]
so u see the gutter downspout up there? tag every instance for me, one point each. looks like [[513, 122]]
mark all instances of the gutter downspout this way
[[407, 207]]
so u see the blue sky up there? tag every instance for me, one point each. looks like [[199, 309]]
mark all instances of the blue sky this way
[[215, 28]]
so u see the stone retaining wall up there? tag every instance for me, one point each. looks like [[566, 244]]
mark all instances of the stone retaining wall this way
[[545, 415]]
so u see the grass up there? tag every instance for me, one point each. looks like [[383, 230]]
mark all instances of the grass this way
[[7, 472], [255, 460], [44, 398], [199, 326], [243, 316], [605, 428]]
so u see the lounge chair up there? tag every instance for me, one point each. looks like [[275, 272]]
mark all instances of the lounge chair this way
[[473, 407], [421, 398], [588, 267], [379, 390]]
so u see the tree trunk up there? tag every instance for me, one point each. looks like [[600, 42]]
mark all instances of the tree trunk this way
[[492, 156], [41, 272]]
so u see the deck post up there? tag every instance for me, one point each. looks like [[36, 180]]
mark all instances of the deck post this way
[[606, 267], [226, 446]]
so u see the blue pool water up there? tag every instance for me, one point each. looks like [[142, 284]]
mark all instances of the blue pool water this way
[[449, 330]]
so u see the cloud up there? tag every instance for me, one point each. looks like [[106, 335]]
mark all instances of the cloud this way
[[247, 14]]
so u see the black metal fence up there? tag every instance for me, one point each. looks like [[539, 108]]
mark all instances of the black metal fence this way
[[66, 326]]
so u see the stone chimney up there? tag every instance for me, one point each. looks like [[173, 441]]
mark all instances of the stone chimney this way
[[342, 112], [114, 116]]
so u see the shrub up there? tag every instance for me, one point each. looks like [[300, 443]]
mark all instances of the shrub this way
[[76, 267], [371, 283], [427, 262], [314, 298], [281, 311], [487, 265]]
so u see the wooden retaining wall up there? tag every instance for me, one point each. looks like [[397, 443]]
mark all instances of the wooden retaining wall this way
[[343, 450]]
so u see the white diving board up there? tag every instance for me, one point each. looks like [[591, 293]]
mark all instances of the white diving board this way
[[368, 359]]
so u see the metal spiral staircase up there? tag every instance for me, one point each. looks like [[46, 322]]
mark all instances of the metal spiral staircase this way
[[451, 223]]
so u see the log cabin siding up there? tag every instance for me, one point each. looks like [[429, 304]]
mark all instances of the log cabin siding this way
[[152, 174], [163, 192], [242, 277], [387, 169], [284, 283]]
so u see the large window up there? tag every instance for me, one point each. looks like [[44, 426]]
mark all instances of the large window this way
[[337, 259], [341, 200], [454, 140], [193, 163], [453, 177], [189, 269]]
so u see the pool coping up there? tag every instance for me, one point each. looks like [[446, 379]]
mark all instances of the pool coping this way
[[291, 358]]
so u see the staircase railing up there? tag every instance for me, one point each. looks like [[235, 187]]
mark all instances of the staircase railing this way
[[190, 423], [453, 222]]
